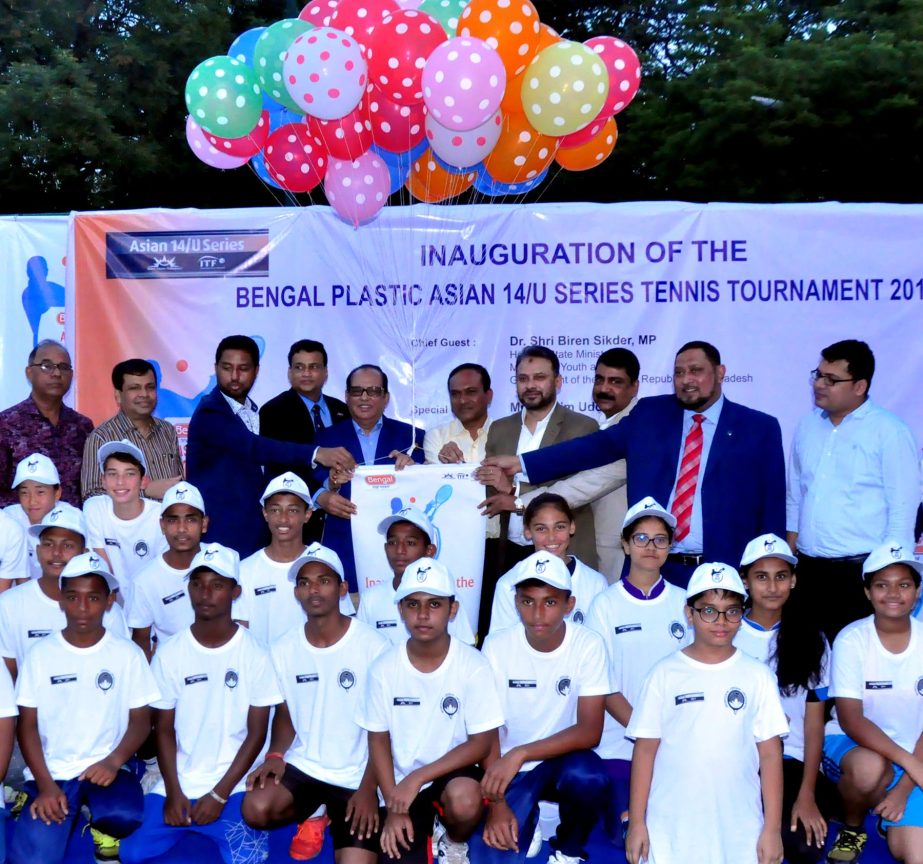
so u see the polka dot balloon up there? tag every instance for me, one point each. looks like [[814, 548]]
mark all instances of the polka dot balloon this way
[[395, 127], [591, 153], [325, 73], [430, 182], [624, 71], [564, 88], [206, 152], [358, 17], [520, 153], [223, 97], [247, 145], [318, 12], [358, 189], [269, 58], [461, 149], [295, 159], [446, 12], [348, 137], [397, 52], [463, 83], [510, 27]]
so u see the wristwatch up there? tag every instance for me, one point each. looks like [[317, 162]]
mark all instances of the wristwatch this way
[[519, 506]]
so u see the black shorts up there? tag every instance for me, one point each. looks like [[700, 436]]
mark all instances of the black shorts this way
[[309, 794]]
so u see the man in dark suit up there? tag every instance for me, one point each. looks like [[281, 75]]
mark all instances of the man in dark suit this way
[[371, 439], [299, 413], [225, 452], [718, 466]]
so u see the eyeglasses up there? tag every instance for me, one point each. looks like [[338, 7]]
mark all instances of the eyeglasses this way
[[365, 391], [307, 367], [48, 367], [642, 541], [829, 380], [710, 615]]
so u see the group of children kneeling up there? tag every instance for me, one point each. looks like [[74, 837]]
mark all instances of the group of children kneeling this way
[[653, 711]]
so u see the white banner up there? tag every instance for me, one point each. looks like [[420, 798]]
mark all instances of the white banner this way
[[449, 495]]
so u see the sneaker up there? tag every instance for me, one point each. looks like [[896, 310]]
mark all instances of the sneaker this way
[[848, 846], [536, 845], [445, 849], [151, 776], [15, 800], [105, 848], [309, 838], [558, 857]]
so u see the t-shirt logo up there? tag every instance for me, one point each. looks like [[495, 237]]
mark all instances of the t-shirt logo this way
[[769, 545], [735, 699], [563, 685], [421, 573], [141, 549], [541, 564], [449, 705], [578, 617], [677, 631], [104, 681], [231, 679], [32, 466], [920, 686], [346, 679]]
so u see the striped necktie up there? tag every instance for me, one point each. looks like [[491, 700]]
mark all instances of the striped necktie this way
[[687, 480]]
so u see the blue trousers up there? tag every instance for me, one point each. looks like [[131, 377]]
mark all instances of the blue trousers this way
[[115, 810], [577, 781], [234, 840]]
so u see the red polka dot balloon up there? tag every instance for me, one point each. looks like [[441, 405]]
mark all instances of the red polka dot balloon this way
[[346, 138], [325, 73], [318, 12], [358, 17], [397, 52], [295, 159], [396, 128], [249, 145], [624, 72], [588, 133], [462, 149]]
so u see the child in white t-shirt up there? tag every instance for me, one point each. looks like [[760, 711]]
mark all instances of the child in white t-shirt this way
[[14, 553], [431, 711], [38, 487], [217, 686], [641, 619], [8, 713], [553, 681], [548, 522], [83, 696], [123, 526], [318, 754], [409, 535], [267, 605], [706, 774], [160, 603], [874, 743]]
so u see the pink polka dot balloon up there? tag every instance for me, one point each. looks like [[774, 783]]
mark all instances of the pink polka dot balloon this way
[[325, 73], [588, 133], [357, 190], [397, 52], [463, 83], [462, 149], [346, 138], [624, 69], [395, 127], [203, 150], [295, 159], [358, 17], [318, 12], [247, 146]]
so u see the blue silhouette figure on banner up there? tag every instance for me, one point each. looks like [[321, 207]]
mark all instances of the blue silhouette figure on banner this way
[[40, 295]]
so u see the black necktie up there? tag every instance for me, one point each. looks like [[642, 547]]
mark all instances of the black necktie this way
[[315, 416]]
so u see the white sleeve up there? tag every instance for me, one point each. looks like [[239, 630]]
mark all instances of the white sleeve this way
[[372, 712], [143, 686], [503, 612], [266, 683], [595, 621], [14, 552], [793, 487], [770, 719], [139, 613], [460, 627], [483, 711], [900, 474], [7, 693], [27, 682], [166, 683], [593, 666], [96, 527], [114, 621], [7, 629], [646, 716], [846, 675], [433, 441]]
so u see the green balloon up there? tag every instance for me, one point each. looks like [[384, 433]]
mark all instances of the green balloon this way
[[446, 12], [223, 97], [269, 55]]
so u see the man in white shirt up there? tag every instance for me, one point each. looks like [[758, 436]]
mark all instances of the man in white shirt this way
[[464, 438], [853, 482]]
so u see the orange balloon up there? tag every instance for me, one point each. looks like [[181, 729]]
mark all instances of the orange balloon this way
[[512, 98], [594, 152], [430, 182], [511, 29], [520, 153]]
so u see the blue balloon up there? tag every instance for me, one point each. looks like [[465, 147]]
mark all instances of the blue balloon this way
[[279, 115], [258, 163], [452, 169], [398, 166], [242, 49], [486, 185]]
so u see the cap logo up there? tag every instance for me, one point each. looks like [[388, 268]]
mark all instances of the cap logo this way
[[717, 574], [93, 561], [541, 565], [209, 554], [288, 482], [897, 551], [313, 549], [104, 681], [648, 505], [449, 705], [403, 512], [735, 699], [421, 573], [769, 545], [230, 679], [55, 515], [346, 679], [181, 493], [32, 466]]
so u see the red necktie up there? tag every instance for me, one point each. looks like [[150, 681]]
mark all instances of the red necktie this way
[[688, 478]]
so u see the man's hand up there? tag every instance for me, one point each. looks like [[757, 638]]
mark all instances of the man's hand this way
[[769, 847], [451, 452], [206, 810], [401, 459], [335, 457], [403, 794], [509, 465], [493, 476], [396, 835], [362, 813], [177, 810], [501, 829], [50, 806], [271, 770], [497, 504], [336, 505], [892, 806], [101, 773], [499, 776], [806, 812]]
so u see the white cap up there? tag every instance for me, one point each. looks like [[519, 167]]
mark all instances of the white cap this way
[[414, 516], [427, 576], [316, 552], [767, 546], [546, 568], [122, 446], [648, 507], [891, 552], [63, 515], [182, 493], [221, 559], [708, 577], [88, 564], [37, 467], [290, 483]]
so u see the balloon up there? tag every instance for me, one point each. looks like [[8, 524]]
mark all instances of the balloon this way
[[223, 97], [520, 153], [564, 88], [397, 51], [279, 116], [269, 57], [446, 12], [325, 73], [198, 143], [463, 83], [358, 17], [510, 28], [512, 99], [624, 69], [408, 4], [318, 12], [395, 127], [398, 166], [258, 164], [247, 145], [357, 190], [430, 182], [587, 133], [463, 149], [348, 137], [242, 49], [296, 160], [594, 152], [486, 185]]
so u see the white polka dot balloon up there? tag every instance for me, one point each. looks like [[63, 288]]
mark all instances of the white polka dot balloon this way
[[358, 189], [397, 51], [462, 149]]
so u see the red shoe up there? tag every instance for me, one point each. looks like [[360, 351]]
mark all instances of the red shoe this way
[[309, 838]]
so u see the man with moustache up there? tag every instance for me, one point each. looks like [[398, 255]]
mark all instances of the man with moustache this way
[[719, 465]]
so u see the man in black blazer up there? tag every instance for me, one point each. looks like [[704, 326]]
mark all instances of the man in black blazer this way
[[299, 413]]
